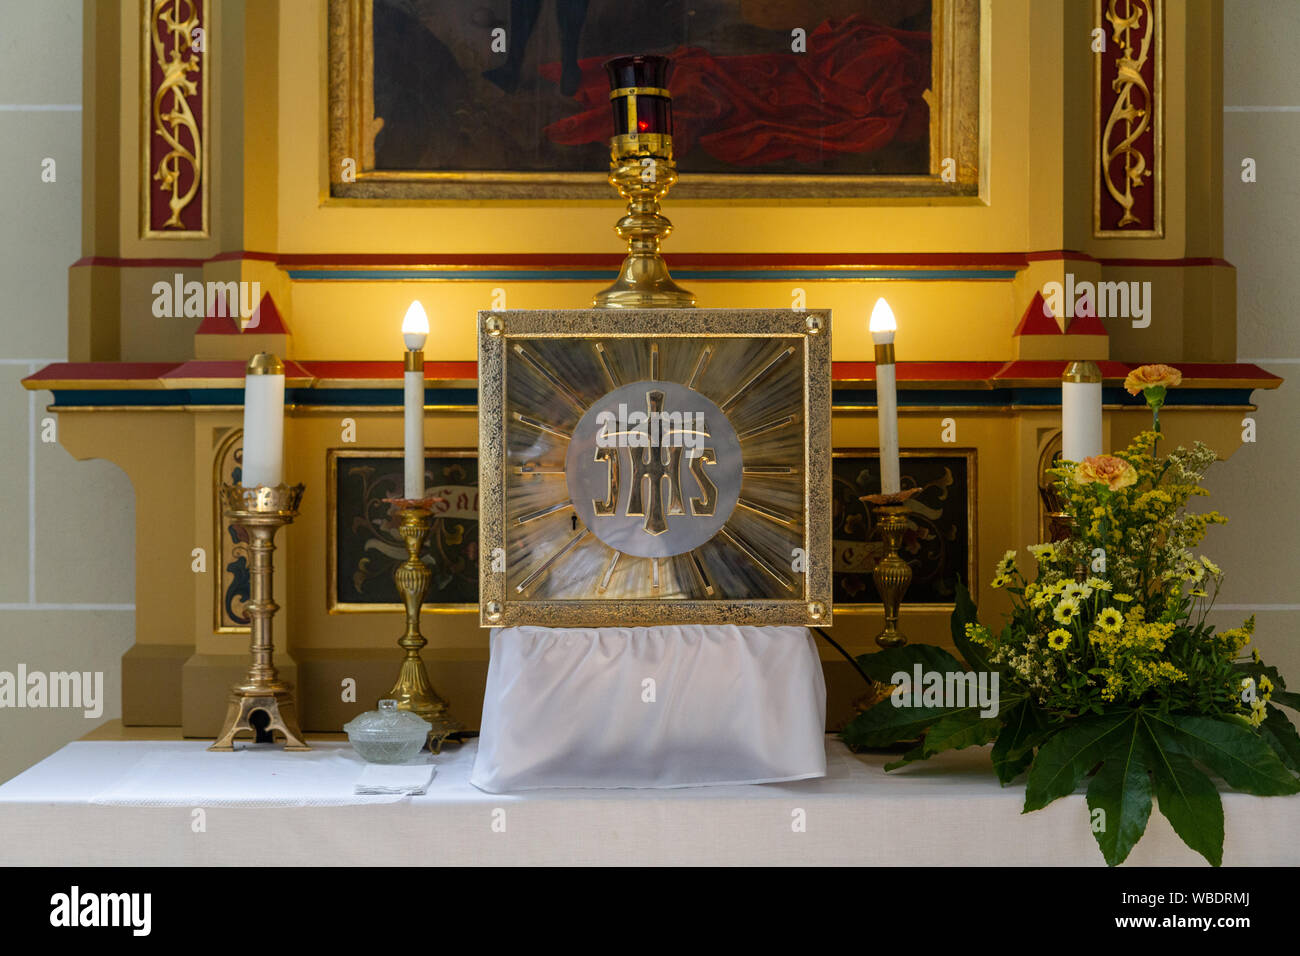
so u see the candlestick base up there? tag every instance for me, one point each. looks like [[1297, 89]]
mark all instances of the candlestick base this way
[[280, 710], [261, 510], [892, 574], [413, 690]]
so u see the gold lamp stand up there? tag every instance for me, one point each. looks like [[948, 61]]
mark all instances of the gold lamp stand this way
[[262, 511], [643, 281], [892, 574], [413, 690]]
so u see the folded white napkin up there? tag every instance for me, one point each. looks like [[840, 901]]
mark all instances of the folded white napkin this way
[[409, 778]]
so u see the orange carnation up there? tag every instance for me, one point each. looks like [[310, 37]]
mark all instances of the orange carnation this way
[[1114, 473], [1152, 376]]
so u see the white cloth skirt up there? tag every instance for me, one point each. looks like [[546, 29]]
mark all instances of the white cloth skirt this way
[[672, 706]]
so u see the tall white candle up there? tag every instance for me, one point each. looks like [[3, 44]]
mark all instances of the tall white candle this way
[[263, 421], [882, 334], [415, 330], [1080, 411]]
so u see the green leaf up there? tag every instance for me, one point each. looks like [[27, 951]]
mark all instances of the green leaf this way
[[1121, 790], [1233, 751], [884, 724], [882, 665], [1187, 798], [963, 613], [916, 753], [1070, 754], [1013, 751], [965, 728], [1286, 697], [1279, 734]]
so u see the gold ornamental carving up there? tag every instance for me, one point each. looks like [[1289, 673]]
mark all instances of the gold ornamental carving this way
[[1128, 112], [175, 104]]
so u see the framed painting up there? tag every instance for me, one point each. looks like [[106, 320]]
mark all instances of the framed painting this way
[[232, 583], [771, 98], [939, 543], [655, 466], [364, 548]]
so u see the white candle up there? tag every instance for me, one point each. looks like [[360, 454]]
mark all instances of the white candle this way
[[1080, 411], [415, 330], [263, 421], [882, 334]]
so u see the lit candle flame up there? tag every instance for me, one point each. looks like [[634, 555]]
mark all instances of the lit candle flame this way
[[415, 326]]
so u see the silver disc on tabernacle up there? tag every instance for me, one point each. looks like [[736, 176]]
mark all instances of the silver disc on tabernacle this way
[[654, 469]]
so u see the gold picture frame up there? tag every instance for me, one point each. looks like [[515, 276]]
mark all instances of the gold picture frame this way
[[958, 134], [228, 443], [970, 456], [549, 555], [333, 604]]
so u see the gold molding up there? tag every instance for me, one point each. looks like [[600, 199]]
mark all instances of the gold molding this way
[[959, 61], [181, 17], [1128, 75], [971, 454], [334, 606]]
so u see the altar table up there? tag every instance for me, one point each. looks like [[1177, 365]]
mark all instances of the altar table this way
[[83, 806]]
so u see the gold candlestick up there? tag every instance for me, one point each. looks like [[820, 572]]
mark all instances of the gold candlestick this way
[[413, 690], [892, 574], [262, 511]]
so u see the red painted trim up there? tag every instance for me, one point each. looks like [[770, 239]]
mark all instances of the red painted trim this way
[[109, 371], [958, 374], [244, 254]]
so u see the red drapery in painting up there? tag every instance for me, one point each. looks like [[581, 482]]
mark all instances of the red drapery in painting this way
[[858, 88]]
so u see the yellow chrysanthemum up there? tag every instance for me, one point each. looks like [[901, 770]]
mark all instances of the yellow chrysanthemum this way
[[1110, 620], [1066, 610], [1125, 598], [1058, 639]]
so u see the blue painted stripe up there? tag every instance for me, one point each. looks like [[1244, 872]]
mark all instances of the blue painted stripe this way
[[601, 275]]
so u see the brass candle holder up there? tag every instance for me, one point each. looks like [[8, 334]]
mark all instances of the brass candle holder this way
[[262, 511], [413, 690], [892, 574], [1060, 524], [642, 170]]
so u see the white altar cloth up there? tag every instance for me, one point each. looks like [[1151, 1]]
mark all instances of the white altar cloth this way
[[947, 811]]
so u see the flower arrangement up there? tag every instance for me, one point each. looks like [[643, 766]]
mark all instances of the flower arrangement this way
[[1108, 669]]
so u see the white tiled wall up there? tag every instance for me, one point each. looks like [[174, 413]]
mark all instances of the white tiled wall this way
[[67, 528], [1259, 487]]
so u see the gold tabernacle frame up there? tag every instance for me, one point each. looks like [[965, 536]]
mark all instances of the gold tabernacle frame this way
[[543, 375], [958, 134]]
